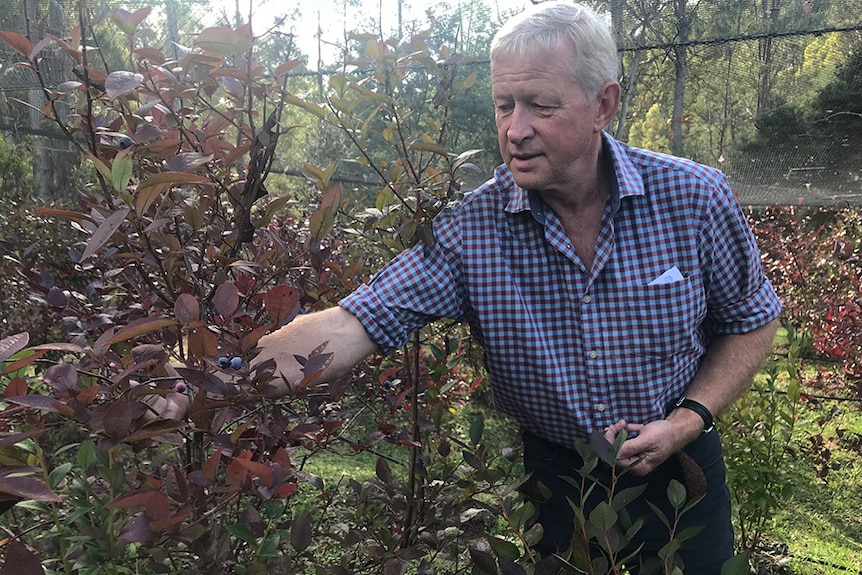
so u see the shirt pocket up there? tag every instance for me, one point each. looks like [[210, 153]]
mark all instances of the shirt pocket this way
[[663, 320]]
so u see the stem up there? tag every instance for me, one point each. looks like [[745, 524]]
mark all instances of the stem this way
[[415, 487]]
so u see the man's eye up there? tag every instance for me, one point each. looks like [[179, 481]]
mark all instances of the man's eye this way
[[504, 108]]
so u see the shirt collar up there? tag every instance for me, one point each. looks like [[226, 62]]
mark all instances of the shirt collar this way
[[626, 181]]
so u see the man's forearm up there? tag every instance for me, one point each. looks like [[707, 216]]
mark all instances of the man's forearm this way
[[727, 369], [345, 338]]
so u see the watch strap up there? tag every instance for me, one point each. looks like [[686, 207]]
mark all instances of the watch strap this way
[[700, 409]]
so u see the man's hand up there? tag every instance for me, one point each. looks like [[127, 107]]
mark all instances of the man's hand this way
[[656, 441]]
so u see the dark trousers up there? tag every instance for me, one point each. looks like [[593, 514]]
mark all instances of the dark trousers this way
[[702, 554]]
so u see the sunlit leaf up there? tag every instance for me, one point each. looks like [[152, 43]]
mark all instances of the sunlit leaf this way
[[127, 21], [121, 171], [18, 43], [188, 161], [172, 178], [12, 344], [223, 40], [122, 82], [104, 232]]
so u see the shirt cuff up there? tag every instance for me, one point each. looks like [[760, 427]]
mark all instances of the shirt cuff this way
[[378, 320], [757, 310]]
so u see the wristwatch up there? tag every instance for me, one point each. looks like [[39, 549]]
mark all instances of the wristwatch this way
[[700, 409]]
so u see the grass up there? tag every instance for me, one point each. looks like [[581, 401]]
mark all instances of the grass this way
[[820, 526]]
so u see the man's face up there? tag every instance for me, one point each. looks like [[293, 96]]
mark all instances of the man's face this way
[[547, 129]]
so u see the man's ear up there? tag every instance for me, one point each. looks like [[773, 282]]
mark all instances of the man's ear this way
[[609, 103]]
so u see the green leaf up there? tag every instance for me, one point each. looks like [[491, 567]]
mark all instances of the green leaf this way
[[669, 549], [121, 171], [58, 473], [477, 429], [503, 548], [307, 106], [269, 547], [736, 565], [241, 532], [432, 147], [86, 457], [603, 517], [676, 493]]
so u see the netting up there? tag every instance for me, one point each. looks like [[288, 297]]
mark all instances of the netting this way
[[770, 91]]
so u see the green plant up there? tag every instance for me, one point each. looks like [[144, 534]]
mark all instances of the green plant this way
[[759, 442]]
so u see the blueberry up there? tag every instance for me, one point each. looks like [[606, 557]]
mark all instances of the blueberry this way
[[180, 387], [125, 142], [236, 362], [223, 362]]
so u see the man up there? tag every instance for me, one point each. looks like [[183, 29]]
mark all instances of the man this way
[[606, 284]]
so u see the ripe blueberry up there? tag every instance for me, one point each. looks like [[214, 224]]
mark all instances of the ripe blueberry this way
[[236, 362], [223, 362]]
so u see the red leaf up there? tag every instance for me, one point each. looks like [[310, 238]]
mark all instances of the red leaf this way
[[23, 362], [153, 429], [301, 532], [121, 82], [284, 490], [137, 529], [188, 161], [261, 470], [28, 488], [61, 377], [18, 42], [176, 485], [133, 499], [172, 178], [20, 560], [140, 327], [18, 386], [210, 466], [158, 507], [187, 309], [37, 402], [118, 418], [226, 299], [202, 343], [281, 302]]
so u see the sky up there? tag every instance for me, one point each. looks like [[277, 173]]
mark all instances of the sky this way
[[333, 14]]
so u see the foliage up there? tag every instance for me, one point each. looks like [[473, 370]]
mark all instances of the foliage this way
[[759, 443], [811, 257], [188, 262], [26, 243]]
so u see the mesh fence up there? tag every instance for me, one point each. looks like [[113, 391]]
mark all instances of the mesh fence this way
[[770, 91]]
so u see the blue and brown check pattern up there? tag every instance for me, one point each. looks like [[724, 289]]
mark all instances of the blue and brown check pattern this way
[[571, 350]]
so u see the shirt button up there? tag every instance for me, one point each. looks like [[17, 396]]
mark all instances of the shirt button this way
[[593, 354], [600, 407], [588, 298]]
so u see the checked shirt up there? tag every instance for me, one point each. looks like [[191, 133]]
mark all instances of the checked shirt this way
[[571, 350]]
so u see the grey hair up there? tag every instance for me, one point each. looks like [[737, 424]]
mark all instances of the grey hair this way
[[548, 25]]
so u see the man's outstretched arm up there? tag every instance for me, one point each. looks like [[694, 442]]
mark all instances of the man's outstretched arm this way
[[345, 338]]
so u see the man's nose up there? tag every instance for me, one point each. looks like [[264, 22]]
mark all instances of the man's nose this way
[[520, 125]]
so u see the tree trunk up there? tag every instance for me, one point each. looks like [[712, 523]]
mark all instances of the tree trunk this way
[[53, 158], [680, 51]]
